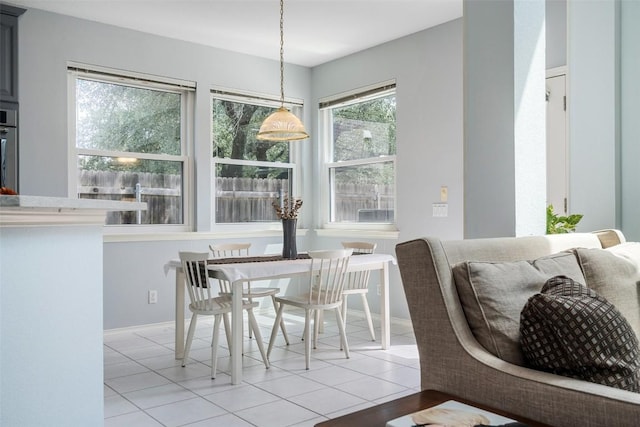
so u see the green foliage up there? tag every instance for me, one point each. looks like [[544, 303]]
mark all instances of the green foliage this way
[[557, 224], [115, 117], [235, 126]]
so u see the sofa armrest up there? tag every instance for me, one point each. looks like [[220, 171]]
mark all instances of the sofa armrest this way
[[452, 361], [610, 237]]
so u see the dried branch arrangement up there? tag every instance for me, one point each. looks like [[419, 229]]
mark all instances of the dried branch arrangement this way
[[289, 208]]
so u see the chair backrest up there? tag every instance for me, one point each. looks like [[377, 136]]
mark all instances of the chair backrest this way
[[360, 247], [194, 265], [226, 250], [358, 279], [230, 249], [327, 275]]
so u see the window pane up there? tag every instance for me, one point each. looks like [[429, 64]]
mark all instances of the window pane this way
[[364, 130], [364, 193], [235, 126], [156, 182], [246, 193], [123, 118]]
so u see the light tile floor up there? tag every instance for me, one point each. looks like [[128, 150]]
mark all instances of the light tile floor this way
[[145, 386]]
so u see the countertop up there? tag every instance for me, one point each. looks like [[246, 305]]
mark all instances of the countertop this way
[[55, 203]]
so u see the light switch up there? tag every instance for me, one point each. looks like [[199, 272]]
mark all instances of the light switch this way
[[444, 194], [440, 209]]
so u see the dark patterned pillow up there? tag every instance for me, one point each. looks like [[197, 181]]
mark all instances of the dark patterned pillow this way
[[568, 329]]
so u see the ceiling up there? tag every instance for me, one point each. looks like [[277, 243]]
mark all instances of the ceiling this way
[[315, 31]]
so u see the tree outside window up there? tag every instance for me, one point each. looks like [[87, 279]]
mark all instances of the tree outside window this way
[[249, 174], [128, 141], [362, 167]]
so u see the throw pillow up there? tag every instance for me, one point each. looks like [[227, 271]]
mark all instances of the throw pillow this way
[[493, 294], [613, 273], [570, 330]]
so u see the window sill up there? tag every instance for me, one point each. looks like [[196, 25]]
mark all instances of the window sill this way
[[195, 235], [358, 233]]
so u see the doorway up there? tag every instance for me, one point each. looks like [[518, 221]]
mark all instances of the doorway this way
[[557, 145]]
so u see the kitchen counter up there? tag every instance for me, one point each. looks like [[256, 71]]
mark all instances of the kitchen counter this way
[[51, 267], [40, 210]]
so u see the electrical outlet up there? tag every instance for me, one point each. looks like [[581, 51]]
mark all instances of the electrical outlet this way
[[153, 297], [440, 209]]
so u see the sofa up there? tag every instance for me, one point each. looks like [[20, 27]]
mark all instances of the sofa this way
[[453, 360]]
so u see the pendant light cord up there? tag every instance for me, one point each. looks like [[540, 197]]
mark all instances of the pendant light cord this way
[[282, 53]]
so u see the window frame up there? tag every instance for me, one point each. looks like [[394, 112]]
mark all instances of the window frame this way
[[328, 165], [186, 90], [296, 107]]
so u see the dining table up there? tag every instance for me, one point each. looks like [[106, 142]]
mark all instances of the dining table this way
[[239, 270]]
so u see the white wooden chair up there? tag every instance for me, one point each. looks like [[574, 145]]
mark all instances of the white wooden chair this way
[[357, 282], [326, 282], [203, 302], [250, 292]]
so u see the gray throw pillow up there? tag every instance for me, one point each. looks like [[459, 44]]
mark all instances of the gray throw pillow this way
[[568, 329], [493, 294], [613, 274]]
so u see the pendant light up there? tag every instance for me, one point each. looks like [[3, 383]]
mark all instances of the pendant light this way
[[282, 125]]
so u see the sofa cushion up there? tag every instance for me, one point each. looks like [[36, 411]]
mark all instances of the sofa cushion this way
[[493, 294], [568, 329], [614, 273]]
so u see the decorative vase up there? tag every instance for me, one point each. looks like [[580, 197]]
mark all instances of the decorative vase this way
[[289, 250]]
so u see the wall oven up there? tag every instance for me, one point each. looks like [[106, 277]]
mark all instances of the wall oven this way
[[9, 149]]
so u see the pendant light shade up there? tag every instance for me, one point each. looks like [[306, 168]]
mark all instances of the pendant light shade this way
[[282, 125]]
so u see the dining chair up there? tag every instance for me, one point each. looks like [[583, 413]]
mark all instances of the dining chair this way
[[203, 302], [326, 282], [357, 282], [250, 292]]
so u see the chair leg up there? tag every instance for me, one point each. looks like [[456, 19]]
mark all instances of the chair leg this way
[[308, 339], [249, 325], [316, 327], [344, 309], [253, 325], [227, 329], [274, 331], [282, 327], [187, 347], [367, 313], [214, 345], [343, 335]]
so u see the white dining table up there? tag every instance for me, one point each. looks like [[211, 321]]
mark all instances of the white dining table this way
[[239, 273]]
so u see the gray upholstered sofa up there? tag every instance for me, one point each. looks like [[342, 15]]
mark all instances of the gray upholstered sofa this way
[[452, 360]]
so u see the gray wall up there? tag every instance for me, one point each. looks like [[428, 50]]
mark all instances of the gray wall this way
[[556, 26], [427, 67], [630, 114], [47, 42], [593, 111]]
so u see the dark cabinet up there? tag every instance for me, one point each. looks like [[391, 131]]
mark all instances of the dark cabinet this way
[[9, 52]]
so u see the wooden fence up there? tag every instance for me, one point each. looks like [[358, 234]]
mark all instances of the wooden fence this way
[[237, 199]]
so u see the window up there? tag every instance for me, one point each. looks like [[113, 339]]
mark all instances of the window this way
[[360, 133], [249, 174], [129, 144]]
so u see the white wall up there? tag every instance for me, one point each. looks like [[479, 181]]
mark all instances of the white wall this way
[[51, 325]]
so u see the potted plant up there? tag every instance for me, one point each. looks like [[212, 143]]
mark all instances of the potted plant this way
[[558, 224]]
